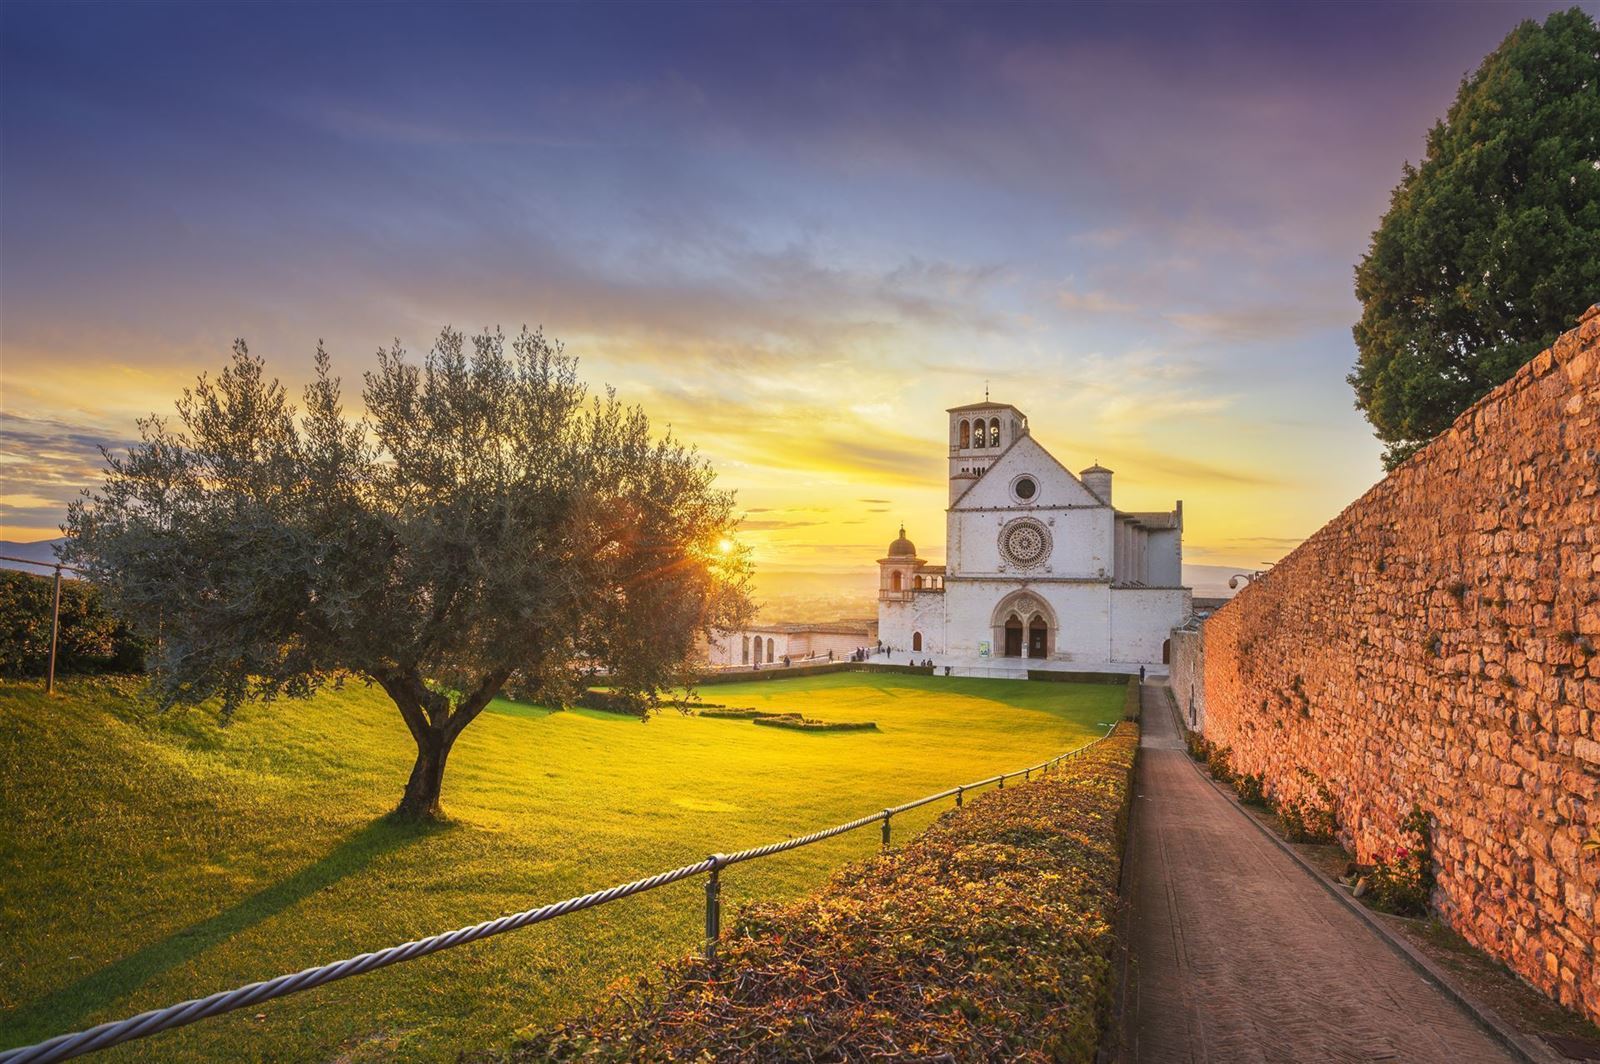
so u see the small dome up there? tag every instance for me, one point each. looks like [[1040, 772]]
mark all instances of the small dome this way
[[1096, 468], [902, 547]]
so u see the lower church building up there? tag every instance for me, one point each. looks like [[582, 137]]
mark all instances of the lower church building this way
[[1039, 563]]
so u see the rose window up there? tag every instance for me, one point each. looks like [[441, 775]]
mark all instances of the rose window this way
[[1025, 542]]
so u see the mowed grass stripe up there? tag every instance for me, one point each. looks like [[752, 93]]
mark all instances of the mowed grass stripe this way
[[149, 859]]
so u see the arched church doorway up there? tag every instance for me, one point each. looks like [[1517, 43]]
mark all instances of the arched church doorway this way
[[916, 640], [1038, 638], [1013, 636], [1166, 652]]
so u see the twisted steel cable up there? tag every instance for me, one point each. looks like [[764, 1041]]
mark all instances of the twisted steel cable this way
[[148, 1023], [65, 1046]]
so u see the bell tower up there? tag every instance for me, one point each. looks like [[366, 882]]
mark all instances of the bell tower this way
[[897, 570], [980, 433]]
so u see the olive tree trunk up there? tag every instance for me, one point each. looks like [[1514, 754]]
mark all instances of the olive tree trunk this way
[[421, 798], [434, 725]]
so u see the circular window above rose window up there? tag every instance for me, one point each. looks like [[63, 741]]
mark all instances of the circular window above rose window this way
[[1025, 542]]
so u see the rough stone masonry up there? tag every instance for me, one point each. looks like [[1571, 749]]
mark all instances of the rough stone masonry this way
[[1438, 643]]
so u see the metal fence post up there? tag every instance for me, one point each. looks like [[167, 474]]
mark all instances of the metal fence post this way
[[960, 792], [713, 908], [886, 816], [1002, 782], [55, 628]]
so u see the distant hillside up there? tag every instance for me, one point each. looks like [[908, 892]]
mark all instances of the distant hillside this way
[[1211, 581], [42, 550], [784, 595]]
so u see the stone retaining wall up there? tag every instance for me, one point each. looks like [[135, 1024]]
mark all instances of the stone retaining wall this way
[[1438, 644]]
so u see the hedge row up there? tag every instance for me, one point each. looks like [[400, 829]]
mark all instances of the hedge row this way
[[988, 937], [1057, 676], [90, 639], [780, 672], [795, 722], [773, 673], [736, 713]]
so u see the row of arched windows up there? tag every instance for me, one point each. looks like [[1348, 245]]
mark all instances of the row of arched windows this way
[[973, 433], [755, 644], [918, 583]]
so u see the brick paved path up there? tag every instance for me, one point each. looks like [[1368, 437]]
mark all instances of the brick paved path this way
[[1238, 956]]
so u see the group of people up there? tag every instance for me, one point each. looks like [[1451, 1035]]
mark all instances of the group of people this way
[[863, 653]]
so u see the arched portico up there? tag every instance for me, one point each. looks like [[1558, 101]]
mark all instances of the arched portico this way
[[1024, 626]]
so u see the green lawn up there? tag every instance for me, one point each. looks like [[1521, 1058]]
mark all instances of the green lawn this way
[[146, 859]]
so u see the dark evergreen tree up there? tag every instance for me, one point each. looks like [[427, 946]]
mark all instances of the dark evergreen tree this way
[[1491, 246]]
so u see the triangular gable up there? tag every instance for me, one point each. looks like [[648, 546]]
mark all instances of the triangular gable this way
[[1057, 484]]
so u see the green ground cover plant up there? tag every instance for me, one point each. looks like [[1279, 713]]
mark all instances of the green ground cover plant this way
[[1402, 877], [150, 858], [989, 937], [795, 722], [738, 713], [1314, 816]]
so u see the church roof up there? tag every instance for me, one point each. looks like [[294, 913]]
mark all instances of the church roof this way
[[902, 547], [980, 406], [802, 627], [1152, 518], [1096, 468]]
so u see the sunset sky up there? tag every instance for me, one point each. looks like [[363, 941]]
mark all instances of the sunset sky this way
[[796, 233]]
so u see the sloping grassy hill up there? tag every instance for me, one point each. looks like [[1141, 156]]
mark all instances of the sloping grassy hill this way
[[147, 859]]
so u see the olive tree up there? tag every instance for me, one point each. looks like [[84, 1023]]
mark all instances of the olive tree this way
[[485, 522]]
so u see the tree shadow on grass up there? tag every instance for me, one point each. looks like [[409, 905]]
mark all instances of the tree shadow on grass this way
[[69, 1008]]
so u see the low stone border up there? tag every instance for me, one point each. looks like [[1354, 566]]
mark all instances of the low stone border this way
[[1522, 1047]]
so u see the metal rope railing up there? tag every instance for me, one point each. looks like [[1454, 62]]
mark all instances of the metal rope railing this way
[[148, 1023]]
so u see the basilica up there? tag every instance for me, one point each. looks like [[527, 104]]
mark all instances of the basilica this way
[[1039, 563]]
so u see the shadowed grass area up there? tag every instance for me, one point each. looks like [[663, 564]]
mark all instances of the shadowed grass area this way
[[148, 859]]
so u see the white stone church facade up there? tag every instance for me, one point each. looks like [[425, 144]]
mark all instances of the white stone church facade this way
[[1039, 564]]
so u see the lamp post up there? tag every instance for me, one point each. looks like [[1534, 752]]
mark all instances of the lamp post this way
[[1248, 578]]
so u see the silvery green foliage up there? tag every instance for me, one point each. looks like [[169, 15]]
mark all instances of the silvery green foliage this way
[[484, 521]]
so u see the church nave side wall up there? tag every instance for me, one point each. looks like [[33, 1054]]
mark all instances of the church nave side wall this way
[[1142, 619]]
